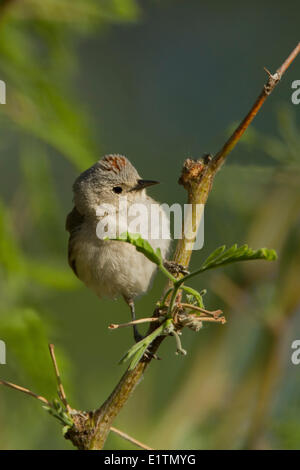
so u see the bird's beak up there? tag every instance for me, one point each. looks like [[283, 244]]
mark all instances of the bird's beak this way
[[141, 184]]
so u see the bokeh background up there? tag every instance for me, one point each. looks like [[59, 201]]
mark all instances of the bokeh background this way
[[158, 81]]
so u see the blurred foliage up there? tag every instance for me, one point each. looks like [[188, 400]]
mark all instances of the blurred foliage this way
[[37, 50], [237, 387]]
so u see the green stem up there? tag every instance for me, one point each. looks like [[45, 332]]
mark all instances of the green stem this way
[[162, 303], [175, 290], [195, 293], [173, 299], [193, 274]]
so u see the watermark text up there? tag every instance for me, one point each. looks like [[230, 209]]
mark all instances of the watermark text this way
[[296, 94], [152, 221], [2, 352], [2, 92], [295, 358]]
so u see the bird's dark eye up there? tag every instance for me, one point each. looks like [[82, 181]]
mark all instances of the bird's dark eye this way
[[117, 189]]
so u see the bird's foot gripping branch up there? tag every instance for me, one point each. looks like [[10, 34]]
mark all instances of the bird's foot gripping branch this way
[[171, 313]]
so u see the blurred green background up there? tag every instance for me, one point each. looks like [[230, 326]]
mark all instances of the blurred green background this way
[[158, 81]]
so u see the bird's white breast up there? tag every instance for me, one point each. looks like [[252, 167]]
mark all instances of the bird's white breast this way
[[113, 268]]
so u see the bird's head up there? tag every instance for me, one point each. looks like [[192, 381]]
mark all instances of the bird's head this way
[[106, 182]]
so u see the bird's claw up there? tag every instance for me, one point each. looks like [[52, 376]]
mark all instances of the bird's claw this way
[[149, 355]]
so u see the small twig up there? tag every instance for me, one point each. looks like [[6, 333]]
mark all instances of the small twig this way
[[289, 60], [28, 392], [273, 80], [114, 326], [59, 382], [212, 319], [130, 439], [179, 348], [213, 313]]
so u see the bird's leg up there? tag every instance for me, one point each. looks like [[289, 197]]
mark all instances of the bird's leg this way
[[137, 336], [175, 268]]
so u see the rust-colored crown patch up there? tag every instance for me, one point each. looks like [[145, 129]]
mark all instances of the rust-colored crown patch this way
[[114, 162]]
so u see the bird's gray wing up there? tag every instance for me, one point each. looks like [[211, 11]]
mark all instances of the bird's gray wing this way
[[73, 224]]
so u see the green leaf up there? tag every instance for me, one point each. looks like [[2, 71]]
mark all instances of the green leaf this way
[[58, 411], [221, 256], [143, 246], [215, 254], [235, 253], [137, 351]]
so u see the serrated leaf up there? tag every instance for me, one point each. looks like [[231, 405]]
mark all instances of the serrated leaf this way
[[214, 255], [221, 256], [235, 253]]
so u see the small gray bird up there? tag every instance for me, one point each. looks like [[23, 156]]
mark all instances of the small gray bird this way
[[111, 268]]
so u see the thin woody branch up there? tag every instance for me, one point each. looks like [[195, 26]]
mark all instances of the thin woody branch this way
[[220, 319], [26, 391], [130, 439], [114, 326], [197, 178], [214, 313], [273, 80]]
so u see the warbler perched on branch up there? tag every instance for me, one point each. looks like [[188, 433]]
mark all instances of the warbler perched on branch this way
[[113, 268]]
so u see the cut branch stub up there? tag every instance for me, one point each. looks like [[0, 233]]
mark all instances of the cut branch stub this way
[[193, 172]]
